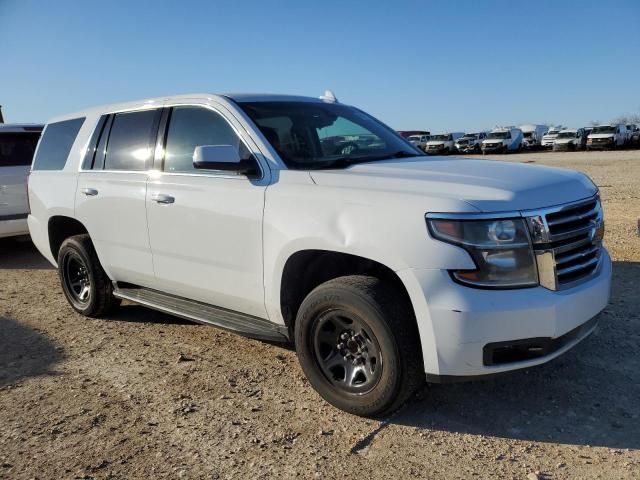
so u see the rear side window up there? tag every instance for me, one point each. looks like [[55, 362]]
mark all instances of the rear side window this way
[[56, 144], [16, 149], [131, 141]]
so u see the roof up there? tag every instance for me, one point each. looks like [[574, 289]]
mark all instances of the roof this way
[[20, 127], [159, 101]]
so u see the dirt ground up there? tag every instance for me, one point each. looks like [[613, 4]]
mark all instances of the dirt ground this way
[[146, 395]]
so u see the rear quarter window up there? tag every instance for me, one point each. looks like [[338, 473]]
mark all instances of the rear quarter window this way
[[56, 143], [16, 149]]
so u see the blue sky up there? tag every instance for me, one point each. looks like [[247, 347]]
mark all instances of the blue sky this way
[[449, 65]]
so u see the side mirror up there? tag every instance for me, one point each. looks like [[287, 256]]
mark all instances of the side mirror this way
[[220, 157]]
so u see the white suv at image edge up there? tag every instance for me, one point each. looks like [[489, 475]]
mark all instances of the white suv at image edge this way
[[17, 144], [384, 266]]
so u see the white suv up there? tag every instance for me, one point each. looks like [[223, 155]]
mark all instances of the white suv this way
[[384, 266], [17, 144]]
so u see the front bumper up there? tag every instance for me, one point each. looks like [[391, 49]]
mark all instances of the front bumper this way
[[466, 148], [459, 324], [499, 147], [435, 150], [601, 145], [558, 147]]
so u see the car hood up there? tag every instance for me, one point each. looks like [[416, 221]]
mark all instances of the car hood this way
[[489, 186], [601, 135], [565, 140]]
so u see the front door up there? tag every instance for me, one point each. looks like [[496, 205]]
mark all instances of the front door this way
[[205, 226]]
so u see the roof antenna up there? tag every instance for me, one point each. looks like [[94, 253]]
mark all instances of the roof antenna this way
[[1, 117], [328, 96]]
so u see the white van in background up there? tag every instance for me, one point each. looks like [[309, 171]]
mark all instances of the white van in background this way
[[607, 137], [17, 145], [570, 139], [443, 143], [532, 135], [503, 140]]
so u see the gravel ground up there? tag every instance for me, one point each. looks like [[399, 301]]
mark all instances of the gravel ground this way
[[146, 395]]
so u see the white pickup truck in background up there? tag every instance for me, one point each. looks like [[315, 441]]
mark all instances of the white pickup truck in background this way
[[550, 137], [385, 267], [17, 144], [470, 142]]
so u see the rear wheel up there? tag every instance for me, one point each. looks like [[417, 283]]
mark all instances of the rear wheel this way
[[85, 284], [358, 345]]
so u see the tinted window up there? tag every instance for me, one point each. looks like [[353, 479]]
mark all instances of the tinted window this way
[[310, 135], [56, 144], [190, 127], [17, 148], [131, 140]]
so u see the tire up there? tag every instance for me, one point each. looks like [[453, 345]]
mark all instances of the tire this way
[[359, 312], [85, 284]]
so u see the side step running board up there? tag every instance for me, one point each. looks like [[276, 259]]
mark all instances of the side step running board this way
[[241, 323]]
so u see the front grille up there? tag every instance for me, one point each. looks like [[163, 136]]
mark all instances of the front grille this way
[[567, 241]]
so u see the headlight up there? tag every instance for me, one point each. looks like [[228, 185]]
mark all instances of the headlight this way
[[500, 249]]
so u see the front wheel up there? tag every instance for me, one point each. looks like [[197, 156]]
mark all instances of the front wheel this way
[[85, 284], [357, 343]]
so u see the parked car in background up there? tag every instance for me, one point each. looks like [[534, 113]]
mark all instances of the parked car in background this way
[[503, 140], [633, 133], [384, 268], [408, 133], [550, 137], [570, 139], [443, 144], [532, 135], [470, 142], [419, 141], [607, 137], [17, 145]]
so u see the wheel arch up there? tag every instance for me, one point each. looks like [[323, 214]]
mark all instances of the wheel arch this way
[[320, 266], [61, 227]]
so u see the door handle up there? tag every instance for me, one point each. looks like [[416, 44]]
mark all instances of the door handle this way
[[90, 192], [162, 198]]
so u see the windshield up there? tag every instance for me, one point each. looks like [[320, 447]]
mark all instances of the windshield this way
[[439, 138], [604, 129], [528, 134], [498, 135], [567, 135], [552, 132], [414, 138], [309, 135], [16, 149]]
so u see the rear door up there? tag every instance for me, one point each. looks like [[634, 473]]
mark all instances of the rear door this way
[[110, 198], [16, 155], [205, 226]]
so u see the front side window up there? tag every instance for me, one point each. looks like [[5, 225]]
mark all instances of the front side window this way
[[16, 149], [56, 144], [310, 135], [131, 140], [190, 127]]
